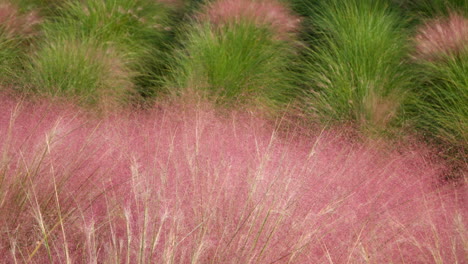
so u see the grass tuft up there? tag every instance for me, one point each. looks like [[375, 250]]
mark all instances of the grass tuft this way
[[16, 30], [124, 39], [240, 59], [239, 63], [355, 68], [88, 71], [439, 106]]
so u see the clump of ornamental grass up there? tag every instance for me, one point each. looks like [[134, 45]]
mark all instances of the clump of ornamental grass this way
[[90, 72], [443, 107], [9, 59], [355, 68], [241, 57], [441, 50], [124, 40], [16, 29], [181, 184]]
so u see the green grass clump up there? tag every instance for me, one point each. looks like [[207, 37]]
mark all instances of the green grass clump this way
[[132, 33], [17, 29], [355, 68], [8, 58], [442, 109], [85, 70], [236, 62]]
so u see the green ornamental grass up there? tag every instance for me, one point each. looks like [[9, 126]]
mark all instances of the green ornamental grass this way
[[439, 106], [131, 33], [355, 68], [442, 102], [86, 70], [8, 58], [17, 31], [238, 51], [234, 63]]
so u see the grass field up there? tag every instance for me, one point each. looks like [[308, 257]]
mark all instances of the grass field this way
[[243, 131]]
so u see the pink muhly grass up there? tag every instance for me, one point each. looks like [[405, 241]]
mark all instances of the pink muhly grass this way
[[442, 36], [185, 184], [264, 13], [45, 181], [12, 23]]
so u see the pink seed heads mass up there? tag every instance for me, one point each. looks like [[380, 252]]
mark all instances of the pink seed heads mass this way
[[264, 13], [223, 189], [442, 36]]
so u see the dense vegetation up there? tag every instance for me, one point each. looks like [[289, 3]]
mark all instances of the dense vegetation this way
[[233, 131]]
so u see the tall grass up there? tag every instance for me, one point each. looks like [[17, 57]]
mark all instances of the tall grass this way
[[127, 34], [442, 53], [444, 107], [86, 70], [16, 30], [355, 68], [40, 198], [241, 57], [240, 63], [9, 58], [184, 185]]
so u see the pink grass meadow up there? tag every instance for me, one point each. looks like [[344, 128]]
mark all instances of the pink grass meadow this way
[[185, 184], [442, 36], [264, 13]]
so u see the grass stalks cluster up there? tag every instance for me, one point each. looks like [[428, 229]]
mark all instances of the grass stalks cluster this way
[[92, 45], [440, 104], [356, 68], [240, 59], [445, 102], [89, 71], [16, 30]]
